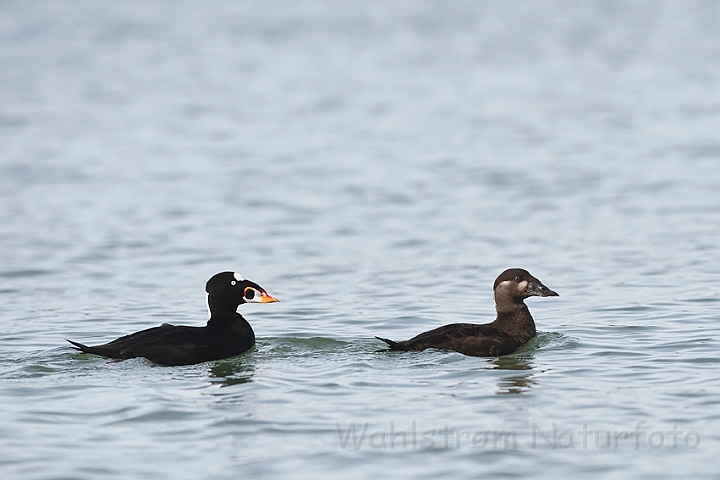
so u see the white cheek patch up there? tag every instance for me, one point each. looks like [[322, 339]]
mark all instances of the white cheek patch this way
[[511, 287], [504, 284], [238, 277]]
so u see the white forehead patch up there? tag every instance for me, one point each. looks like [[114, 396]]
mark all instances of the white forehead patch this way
[[238, 277]]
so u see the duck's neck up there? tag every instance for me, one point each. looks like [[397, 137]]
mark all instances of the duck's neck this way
[[514, 317], [221, 314], [223, 321]]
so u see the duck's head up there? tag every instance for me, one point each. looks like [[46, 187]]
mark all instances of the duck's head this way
[[228, 290], [517, 284]]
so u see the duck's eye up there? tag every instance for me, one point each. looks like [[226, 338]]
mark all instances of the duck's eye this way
[[517, 279], [233, 282], [249, 293]]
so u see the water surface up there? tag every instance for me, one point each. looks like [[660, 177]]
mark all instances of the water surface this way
[[375, 166]]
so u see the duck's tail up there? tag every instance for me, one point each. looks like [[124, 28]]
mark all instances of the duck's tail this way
[[82, 348], [392, 345]]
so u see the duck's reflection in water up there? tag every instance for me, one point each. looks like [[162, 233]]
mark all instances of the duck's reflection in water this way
[[514, 384], [229, 372]]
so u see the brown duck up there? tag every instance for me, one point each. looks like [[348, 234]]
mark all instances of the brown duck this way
[[512, 328]]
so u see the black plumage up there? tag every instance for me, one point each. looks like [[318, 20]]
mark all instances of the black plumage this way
[[226, 334]]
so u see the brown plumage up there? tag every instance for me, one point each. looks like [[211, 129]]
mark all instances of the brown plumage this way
[[512, 327]]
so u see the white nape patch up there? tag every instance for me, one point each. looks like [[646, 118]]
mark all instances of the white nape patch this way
[[238, 277], [207, 304]]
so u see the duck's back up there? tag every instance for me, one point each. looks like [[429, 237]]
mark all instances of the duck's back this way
[[178, 345], [467, 338]]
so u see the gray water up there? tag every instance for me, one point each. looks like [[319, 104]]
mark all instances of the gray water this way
[[375, 165]]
